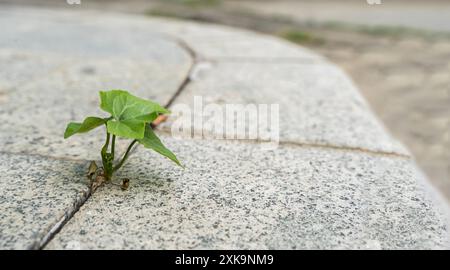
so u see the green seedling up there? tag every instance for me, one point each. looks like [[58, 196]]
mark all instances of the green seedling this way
[[130, 118]]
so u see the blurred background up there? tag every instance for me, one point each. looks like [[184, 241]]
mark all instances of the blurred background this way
[[396, 51]]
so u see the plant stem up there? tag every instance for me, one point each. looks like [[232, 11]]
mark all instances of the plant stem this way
[[105, 147], [125, 156], [113, 145], [107, 158]]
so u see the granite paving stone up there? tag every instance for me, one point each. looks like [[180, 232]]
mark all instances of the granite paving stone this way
[[41, 110], [318, 103], [40, 95], [236, 196], [35, 194], [20, 67], [338, 180]]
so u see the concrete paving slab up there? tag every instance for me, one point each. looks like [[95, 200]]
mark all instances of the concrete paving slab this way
[[248, 46], [36, 193], [20, 67], [318, 103], [81, 37], [209, 41], [40, 111], [51, 93], [347, 193], [236, 196], [212, 41]]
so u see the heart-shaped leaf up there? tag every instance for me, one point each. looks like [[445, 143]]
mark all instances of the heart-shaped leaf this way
[[123, 105], [129, 113], [131, 129], [88, 124], [151, 141]]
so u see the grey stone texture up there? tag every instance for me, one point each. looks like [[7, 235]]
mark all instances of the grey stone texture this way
[[337, 180], [236, 196], [54, 70], [37, 193], [318, 104]]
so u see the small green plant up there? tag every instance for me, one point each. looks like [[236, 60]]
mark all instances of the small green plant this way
[[130, 118]]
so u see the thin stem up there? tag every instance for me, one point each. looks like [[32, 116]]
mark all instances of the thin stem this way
[[105, 147], [125, 156], [113, 145], [107, 158]]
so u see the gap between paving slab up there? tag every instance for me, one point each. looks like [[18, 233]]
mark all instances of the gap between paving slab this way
[[337, 115], [183, 44], [195, 60], [185, 77], [308, 198], [320, 146], [79, 203]]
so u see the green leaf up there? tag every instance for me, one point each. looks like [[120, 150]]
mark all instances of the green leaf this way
[[107, 99], [130, 113], [149, 118], [151, 141], [88, 124], [122, 105], [132, 129]]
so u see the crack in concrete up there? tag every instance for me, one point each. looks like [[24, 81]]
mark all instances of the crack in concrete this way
[[183, 45], [80, 201], [308, 144], [196, 60], [348, 149]]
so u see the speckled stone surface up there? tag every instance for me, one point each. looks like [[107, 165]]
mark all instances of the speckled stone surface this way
[[248, 45], [70, 95], [68, 34], [236, 196], [17, 68], [208, 40], [35, 194], [348, 193], [58, 67], [318, 103]]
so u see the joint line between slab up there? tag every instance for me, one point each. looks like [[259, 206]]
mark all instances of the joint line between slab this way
[[183, 45], [79, 202], [307, 144], [348, 148], [58, 226]]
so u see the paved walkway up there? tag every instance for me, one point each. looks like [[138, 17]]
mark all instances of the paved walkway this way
[[338, 180]]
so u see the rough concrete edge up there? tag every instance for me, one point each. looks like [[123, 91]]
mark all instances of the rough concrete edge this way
[[315, 57], [401, 150], [398, 148], [437, 198]]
